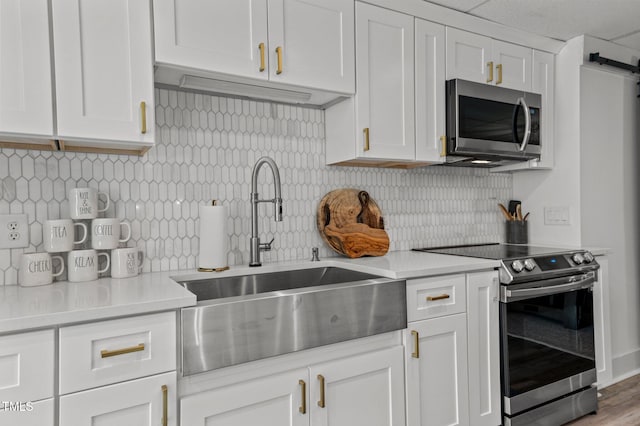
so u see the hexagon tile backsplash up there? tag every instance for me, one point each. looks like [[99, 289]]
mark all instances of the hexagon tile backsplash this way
[[206, 148]]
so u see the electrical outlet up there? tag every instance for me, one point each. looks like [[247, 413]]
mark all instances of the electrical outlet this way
[[14, 231]]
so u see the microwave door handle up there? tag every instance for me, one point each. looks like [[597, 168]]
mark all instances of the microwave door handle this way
[[527, 123]]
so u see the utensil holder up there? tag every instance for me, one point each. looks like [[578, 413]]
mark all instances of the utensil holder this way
[[517, 232]]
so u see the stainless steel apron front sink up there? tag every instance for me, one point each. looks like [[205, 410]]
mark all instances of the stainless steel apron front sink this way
[[249, 317]]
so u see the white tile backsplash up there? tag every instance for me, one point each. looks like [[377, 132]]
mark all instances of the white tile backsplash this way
[[206, 148]]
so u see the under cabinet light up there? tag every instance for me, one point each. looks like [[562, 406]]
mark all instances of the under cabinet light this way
[[241, 89], [481, 161]]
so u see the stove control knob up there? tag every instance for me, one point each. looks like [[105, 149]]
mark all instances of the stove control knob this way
[[517, 266], [577, 258], [588, 257], [529, 264]]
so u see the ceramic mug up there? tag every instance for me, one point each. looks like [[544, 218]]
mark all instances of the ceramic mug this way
[[82, 265], [59, 236], [37, 269], [126, 262], [105, 233], [83, 203]]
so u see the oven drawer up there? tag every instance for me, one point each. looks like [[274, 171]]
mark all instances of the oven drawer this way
[[106, 352], [436, 297]]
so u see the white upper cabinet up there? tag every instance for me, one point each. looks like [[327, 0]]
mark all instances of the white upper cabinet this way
[[385, 99], [26, 105], [303, 43], [104, 71], [484, 60], [221, 35], [543, 82], [430, 100]]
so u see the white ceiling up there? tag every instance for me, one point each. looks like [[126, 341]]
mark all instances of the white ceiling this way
[[614, 20]]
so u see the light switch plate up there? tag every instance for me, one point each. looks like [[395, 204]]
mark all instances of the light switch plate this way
[[558, 215], [14, 231]]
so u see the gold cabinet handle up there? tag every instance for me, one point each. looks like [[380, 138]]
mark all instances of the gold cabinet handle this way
[[106, 353], [366, 139], [165, 405], [490, 66], [499, 68], [321, 402], [416, 344], [262, 62], [441, 297], [303, 402], [279, 53], [443, 146], [143, 117]]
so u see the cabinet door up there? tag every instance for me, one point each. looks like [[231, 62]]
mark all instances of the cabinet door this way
[[364, 390], [602, 324], [104, 70], [430, 101], [316, 38], [384, 75], [26, 104], [543, 82], [139, 402], [28, 413], [484, 349], [276, 400], [221, 35], [437, 383], [512, 65], [469, 57]]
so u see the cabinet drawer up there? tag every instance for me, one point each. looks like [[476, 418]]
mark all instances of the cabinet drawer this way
[[435, 297], [141, 402], [29, 414], [107, 352], [26, 366]]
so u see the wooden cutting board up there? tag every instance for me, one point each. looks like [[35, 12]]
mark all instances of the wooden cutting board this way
[[351, 223]]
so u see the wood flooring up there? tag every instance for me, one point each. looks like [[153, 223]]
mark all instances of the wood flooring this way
[[619, 405]]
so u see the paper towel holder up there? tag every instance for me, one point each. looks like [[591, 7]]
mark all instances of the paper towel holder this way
[[214, 202]]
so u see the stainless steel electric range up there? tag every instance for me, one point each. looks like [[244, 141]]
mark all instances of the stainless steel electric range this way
[[548, 370]]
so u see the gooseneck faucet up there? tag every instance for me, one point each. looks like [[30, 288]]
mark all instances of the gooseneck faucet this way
[[255, 246]]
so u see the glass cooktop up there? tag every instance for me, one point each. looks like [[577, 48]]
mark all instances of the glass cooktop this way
[[494, 251]]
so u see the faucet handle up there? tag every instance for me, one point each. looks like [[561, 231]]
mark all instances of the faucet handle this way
[[266, 246]]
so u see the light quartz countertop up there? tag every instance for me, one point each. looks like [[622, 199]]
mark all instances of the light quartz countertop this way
[[64, 303]]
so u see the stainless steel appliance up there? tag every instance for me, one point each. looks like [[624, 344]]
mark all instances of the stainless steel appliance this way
[[490, 126], [548, 370]]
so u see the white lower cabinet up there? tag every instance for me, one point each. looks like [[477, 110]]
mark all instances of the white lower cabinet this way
[[437, 380], [141, 402], [361, 390]]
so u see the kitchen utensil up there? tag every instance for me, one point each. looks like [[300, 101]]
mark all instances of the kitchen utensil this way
[[518, 211], [505, 212], [512, 205], [351, 223], [526, 216]]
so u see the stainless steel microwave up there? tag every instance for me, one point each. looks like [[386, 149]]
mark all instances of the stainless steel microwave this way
[[490, 126]]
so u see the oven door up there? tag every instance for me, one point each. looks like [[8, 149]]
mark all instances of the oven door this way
[[489, 121], [547, 340]]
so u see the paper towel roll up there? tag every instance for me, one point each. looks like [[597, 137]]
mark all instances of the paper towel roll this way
[[214, 240]]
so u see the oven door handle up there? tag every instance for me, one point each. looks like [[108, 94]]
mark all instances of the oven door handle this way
[[586, 281]]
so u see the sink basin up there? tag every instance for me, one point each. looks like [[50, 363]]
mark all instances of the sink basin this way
[[249, 317]]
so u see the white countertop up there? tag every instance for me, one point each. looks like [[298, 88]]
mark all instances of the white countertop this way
[[65, 303]]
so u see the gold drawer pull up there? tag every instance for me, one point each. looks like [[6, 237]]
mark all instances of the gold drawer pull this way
[[303, 402], [416, 344], [143, 117], [499, 68], [321, 402], [262, 64], [106, 353], [443, 146], [441, 297], [490, 66], [165, 405]]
